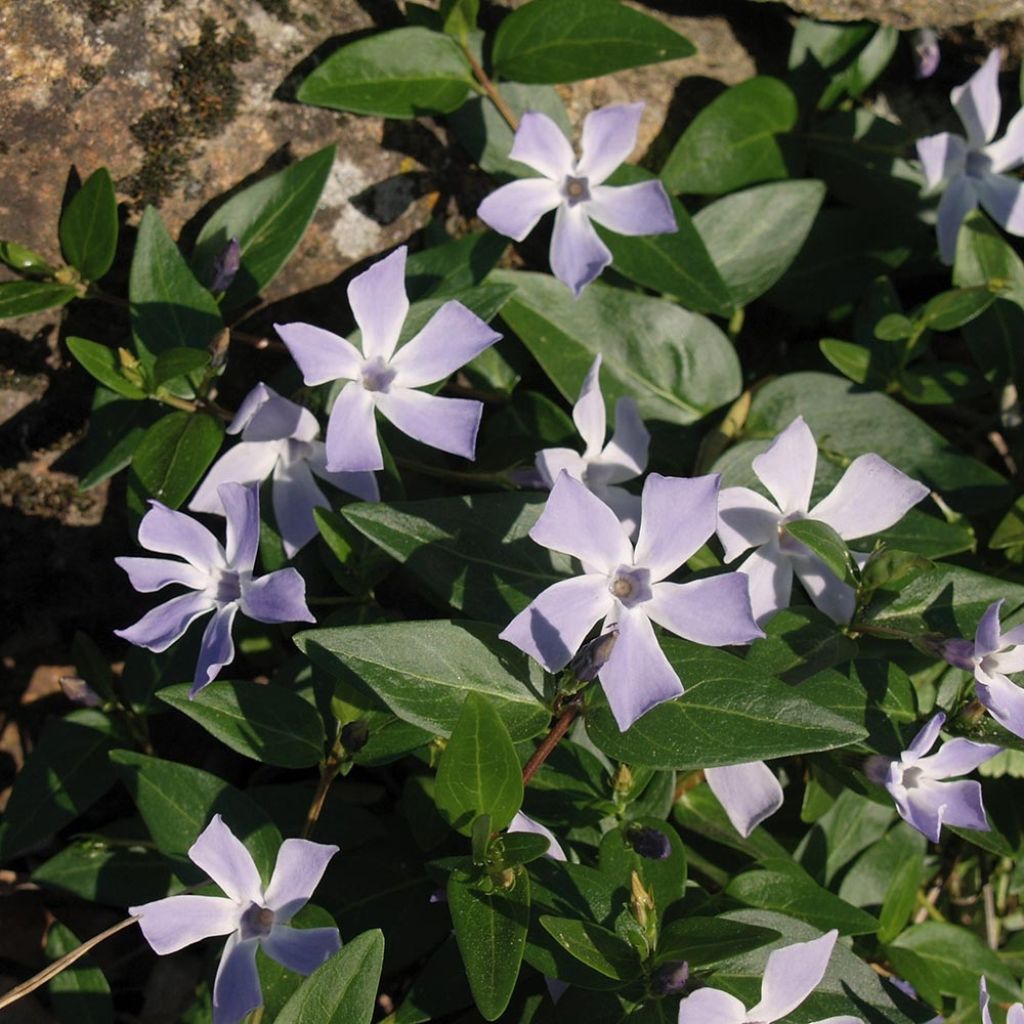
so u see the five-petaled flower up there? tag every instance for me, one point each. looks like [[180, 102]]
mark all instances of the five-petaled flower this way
[[790, 976], [625, 585], [748, 793], [220, 579], [994, 655], [971, 169], [279, 438], [917, 781], [379, 378], [602, 466], [871, 496], [576, 189], [250, 915]]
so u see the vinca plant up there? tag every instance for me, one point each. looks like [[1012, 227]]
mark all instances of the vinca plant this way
[[614, 613]]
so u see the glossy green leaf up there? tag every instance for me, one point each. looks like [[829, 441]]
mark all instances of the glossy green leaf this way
[[1010, 531], [80, 992], [941, 384], [459, 17], [269, 219], [704, 942], [985, 258], [88, 227], [566, 40], [103, 364], [952, 309], [178, 362], [405, 72], [872, 60], [664, 878], [24, 260], [267, 723], [678, 366], [175, 453], [445, 270], [19, 298], [825, 543], [597, 947], [850, 359], [116, 426], [847, 828], [733, 141], [900, 898], [754, 236]]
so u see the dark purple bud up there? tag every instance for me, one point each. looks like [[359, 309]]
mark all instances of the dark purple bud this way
[[355, 735], [78, 691], [876, 768], [592, 656], [649, 842], [924, 44], [528, 477], [226, 265], [954, 651], [670, 978]]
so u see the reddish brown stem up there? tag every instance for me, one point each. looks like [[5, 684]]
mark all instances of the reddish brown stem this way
[[492, 93], [543, 752]]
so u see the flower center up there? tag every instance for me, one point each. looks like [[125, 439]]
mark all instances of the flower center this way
[[977, 164], [377, 375], [256, 921], [912, 776], [787, 542], [225, 587], [576, 190], [631, 585]]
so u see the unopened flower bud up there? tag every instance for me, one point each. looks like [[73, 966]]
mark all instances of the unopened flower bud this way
[[593, 656], [78, 691], [876, 768], [670, 978], [355, 735], [924, 44], [226, 266], [650, 843], [954, 651]]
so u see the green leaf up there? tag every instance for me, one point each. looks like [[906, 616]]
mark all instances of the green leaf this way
[[664, 878], [985, 258], [865, 68], [848, 827], [66, 773], [728, 714], [88, 227], [24, 260], [893, 327], [18, 298], [566, 40], [597, 947], [900, 898], [732, 141], [80, 992], [269, 220], [520, 848], [175, 453], [479, 772], [942, 384], [169, 307], [754, 236], [459, 17], [445, 270], [678, 366], [406, 72], [177, 802], [116, 426], [704, 942], [825, 543], [490, 928], [344, 989], [952, 309], [1010, 531], [178, 362], [850, 359], [267, 723], [423, 671], [102, 363]]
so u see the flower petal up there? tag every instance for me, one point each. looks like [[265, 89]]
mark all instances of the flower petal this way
[[301, 949], [247, 463], [277, 597], [746, 519], [450, 338], [300, 866], [609, 137], [1003, 198], [379, 304], [957, 201], [872, 495], [223, 856], [515, 209], [787, 467], [522, 823], [625, 455], [361, 485], [551, 628], [147, 575], [624, 504], [1003, 698], [449, 424], [236, 989], [640, 209], [295, 495], [714, 611], [265, 416], [748, 793], [917, 813], [637, 675], [577, 254], [948, 803], [216, 649], [352, 443], [791, 975], [942, 157], [175, 922], [983, 1000], [957, 756], [165, 623], [241, 504], [770, 576], [174, 533], [925, 738], [320, 355], [977, 102], [711, 1006], [539, 143], [826, 590], [988, 637], [1008, 152], [578, 523], [679, 514], [589, 413], [551, 461]]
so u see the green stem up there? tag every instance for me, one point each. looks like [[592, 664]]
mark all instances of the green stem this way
[[455, 475]]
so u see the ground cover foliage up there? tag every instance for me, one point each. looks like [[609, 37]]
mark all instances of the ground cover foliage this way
[[492, 708]]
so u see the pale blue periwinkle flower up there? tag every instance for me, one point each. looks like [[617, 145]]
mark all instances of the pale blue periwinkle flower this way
[[379, 378], [970, 171], [626, 586], [749, 793], [219, 577], [523, 823], [279, 439], [1015, 1014], [872, 495], [790, 976], [996, 654], [249, 914], [602, 467], [575, 189], [919, 782]]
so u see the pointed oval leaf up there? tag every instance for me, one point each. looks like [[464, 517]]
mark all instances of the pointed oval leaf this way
[[174, 454], [597, 947], [19, 298], [80, 992], [102, 363], [88, 227]]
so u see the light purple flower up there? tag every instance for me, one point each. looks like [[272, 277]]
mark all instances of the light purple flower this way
[[625, 586], [602, 466], [790, 976], [279, 438], [250, 915], [995, 655], [220, 580], [924, 44], [379, 378], [871, 496], [917, 781], [748, 793], [970, 170], [575, 188], [1015, 1014], [523, 823]]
